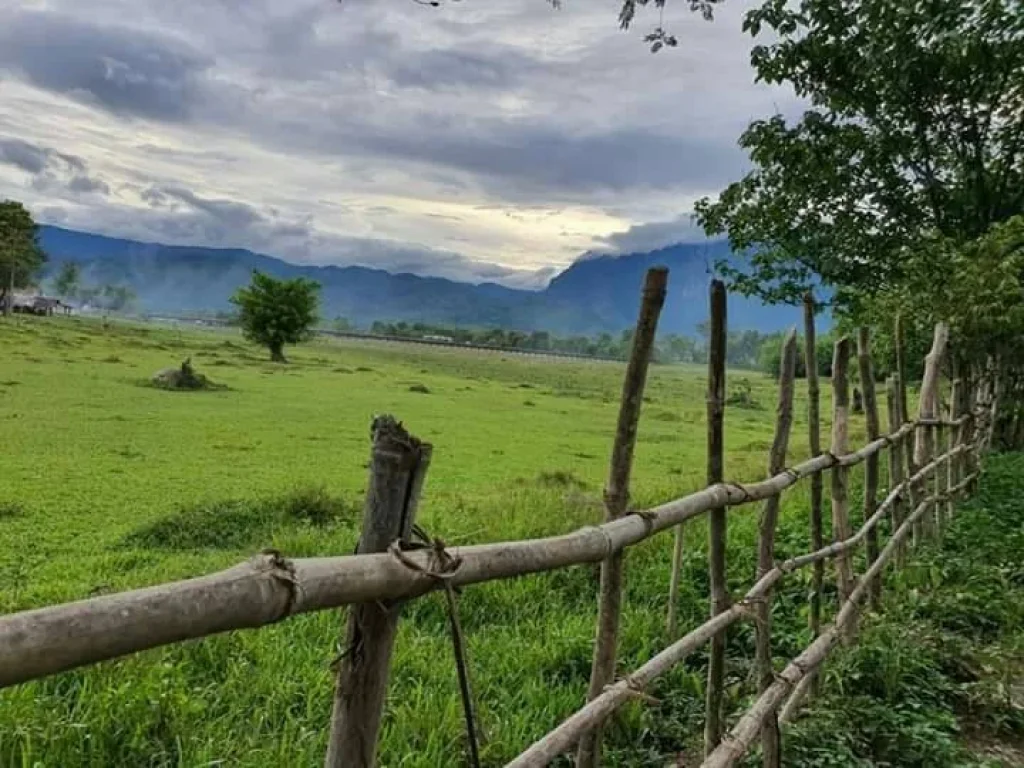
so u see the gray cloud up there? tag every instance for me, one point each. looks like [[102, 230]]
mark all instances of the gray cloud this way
[[50, 170], [544, 159], [652, 235], [127, 71]]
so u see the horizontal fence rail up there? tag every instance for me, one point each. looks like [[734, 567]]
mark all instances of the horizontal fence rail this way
[[269, 587], [933, 461]]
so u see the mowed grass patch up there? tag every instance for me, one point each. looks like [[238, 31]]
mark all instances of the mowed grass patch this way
[[117, 486]]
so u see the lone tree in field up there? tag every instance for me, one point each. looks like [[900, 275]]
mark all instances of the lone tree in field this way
[[21, 257], [276, 312]]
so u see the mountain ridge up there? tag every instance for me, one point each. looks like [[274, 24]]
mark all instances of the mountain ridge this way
[[597, 293]]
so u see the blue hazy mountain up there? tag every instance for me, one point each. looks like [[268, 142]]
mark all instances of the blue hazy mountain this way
[[596, 293]]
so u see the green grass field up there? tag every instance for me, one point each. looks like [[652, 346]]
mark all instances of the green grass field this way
[[108, 484]]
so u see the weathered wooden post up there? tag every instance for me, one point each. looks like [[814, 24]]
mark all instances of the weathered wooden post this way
[[928, 408], [770, 738], [616, 500], [840, 475], [867, 385], [895, 455], [956, 435], [398, 466], [716, 518], [814, 443]]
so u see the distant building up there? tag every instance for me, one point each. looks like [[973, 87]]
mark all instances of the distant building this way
[[36, 304]]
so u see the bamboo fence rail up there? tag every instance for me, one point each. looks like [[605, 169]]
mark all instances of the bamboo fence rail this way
[[925, 479]]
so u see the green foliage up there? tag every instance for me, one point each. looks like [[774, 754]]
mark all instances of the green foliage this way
[[68, 280], [770, 355], [21, 258], [275, 312], [913, 130]]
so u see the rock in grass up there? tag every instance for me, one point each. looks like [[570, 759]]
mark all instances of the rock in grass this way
[[183, 378]]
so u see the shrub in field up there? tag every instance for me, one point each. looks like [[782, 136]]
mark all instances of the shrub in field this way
[[241, 523]]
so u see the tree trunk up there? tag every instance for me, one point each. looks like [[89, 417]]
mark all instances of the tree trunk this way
[[277, 353]]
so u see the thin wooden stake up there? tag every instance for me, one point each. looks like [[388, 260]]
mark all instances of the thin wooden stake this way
[[770, 738], [928, 408], [717, 531], [895, 456], [398, 466], [814, 442], [867, 387], [840, 475], [901, 381], [616, 500]]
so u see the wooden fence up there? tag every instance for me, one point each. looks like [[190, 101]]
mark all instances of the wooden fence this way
[[933, 460]]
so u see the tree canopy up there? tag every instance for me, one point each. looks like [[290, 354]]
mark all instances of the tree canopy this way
[[914, 130], [21, 257], [275, 312]]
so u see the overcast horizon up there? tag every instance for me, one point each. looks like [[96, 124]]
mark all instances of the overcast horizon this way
[[476, 142]]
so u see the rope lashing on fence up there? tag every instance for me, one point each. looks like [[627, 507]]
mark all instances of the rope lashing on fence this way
[[442, 568]]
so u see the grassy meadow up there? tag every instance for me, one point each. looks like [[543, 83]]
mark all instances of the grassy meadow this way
[[108, 484]]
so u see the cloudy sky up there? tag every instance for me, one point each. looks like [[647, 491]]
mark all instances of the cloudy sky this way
[[483, 140]]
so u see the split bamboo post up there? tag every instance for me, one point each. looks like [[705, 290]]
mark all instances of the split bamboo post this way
[[902, 383], [956, 396], [867, 387], [770, 737], [398, 466], [716, 518], [928, 410], [895, 456], [941, 478], [814, 443], [840, 475], [616, 499]]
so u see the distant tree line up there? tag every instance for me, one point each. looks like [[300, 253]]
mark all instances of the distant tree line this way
[[746, 349]]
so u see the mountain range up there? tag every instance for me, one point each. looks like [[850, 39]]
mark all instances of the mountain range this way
[[595, 294]]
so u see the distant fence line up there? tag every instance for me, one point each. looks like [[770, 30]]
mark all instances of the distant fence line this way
[[932, 462]]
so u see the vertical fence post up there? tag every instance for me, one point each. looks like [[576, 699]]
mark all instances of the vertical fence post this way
[[928, 408], [814, 443], [716, 518], [840, 475], [908, 445], [867, 387], [770, 738], [895, 455], [398, 465], [616, 500], [956, 410]]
